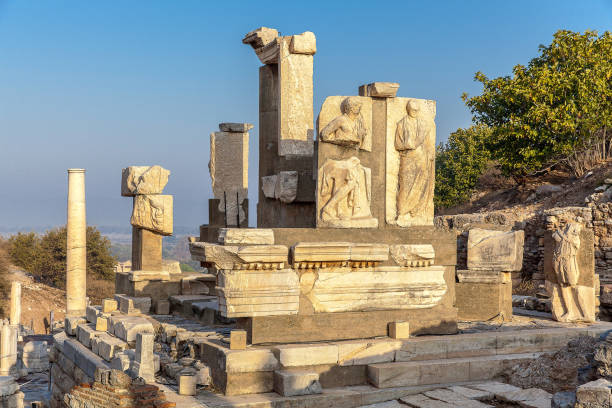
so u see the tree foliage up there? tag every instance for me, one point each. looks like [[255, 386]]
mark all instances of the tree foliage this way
[[557, 109], [4, 280], [459, 163], [44, 255]]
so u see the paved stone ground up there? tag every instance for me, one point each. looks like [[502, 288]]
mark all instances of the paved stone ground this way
[[35, 387], [481, 395]]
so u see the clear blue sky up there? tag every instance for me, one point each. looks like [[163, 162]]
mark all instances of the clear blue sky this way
[[107, 84]]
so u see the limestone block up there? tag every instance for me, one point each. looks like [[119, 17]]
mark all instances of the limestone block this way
[[101, 324], [170, 266], [379, 89], [399, 330], [390, 404], [410, 153], [127, 327], [144, 364], [338, 252], [153, 212], [413, 255], [260, 37], [229, 169], [143, 180], [92, 313], [227, 256], [268, 186], [121, 362], [346, 121], [305, 43], [244, 293], [203, 373], [595, 393], [344, 195], [286, 186], [483, 276], [71, 323], [109, 347], [297, 382], [187, 384], [250, 360], [235, 127], [238, 339], [162, 307], [8, 386], [342, 289], [109, 305], [133, 305], [499, 250], [295, 92], [246, 236], [361, 352], [85, 333], [306, 354]]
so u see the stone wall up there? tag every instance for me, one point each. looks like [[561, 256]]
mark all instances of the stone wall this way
[[595, 215]]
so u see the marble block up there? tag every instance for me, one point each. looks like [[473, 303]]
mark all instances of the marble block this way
[[143, 180], [154, 213], [498, 250]]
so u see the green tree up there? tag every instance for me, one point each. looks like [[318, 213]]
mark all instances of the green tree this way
[[557, 109], [459, 163], [45, 255], [4, 280]]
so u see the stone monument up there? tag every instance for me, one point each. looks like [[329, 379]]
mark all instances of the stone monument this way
[[345, 245], [569, 270]]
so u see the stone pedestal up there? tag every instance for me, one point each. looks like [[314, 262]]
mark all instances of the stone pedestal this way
[[8, 350], [484, 301], [76, 254], [146, 250], [15, 303]]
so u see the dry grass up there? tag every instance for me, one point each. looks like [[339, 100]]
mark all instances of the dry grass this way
[[98, 289], [526, 288]]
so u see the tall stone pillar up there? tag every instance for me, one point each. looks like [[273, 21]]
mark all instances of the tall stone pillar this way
[[15, 317], [76, 254], [8, 348]]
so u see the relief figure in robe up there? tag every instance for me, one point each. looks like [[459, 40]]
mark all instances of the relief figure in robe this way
[[349, 128], [567, 270], [415, 142]]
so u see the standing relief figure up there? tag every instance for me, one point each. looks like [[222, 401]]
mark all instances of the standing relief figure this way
[[348, 129], [565, 266], [416, 146]]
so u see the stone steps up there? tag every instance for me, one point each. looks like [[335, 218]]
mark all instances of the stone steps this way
[[451, 370]]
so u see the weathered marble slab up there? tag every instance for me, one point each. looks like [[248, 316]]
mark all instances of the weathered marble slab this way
[[153, 212], [384, 288], [230, 256], [143, 180], [500, 250]]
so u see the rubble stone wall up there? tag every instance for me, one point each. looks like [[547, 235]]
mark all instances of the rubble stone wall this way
[[596, 215]]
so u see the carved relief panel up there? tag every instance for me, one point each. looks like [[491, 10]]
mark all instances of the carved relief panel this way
[[346, 121], [344, 194], [410, 167]]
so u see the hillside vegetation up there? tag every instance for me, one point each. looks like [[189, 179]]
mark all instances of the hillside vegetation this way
[[554, 114]]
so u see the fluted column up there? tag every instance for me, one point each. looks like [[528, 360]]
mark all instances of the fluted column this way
[[76, 254], [15, 317]]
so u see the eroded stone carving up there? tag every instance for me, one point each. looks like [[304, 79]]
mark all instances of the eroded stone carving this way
[[282, 186], [344, 195], [240, 257], [348, 129], [381, 288], [413, 137], [495, 250], [153, 212], [570, 301], [410, 170], [413, 255], [143, 180]]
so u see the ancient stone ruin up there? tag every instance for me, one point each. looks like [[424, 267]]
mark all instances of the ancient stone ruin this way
[[335, 297]]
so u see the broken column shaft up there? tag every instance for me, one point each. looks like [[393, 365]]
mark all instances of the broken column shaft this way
[[15, 317]]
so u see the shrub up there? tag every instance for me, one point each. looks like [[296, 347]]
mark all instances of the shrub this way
[[44, 256]]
